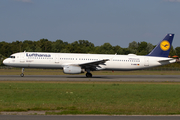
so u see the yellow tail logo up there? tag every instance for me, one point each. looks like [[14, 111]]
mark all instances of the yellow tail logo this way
[[165, 45]]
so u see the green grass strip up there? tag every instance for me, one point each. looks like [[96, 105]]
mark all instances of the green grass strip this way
[[91, 98]]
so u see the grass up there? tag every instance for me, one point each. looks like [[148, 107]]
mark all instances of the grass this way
[[119, 98], [17, 71]]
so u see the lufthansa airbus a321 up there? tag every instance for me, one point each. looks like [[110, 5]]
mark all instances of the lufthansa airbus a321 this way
[[72, 63]]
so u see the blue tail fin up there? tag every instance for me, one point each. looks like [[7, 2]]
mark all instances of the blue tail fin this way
[[163, 48]]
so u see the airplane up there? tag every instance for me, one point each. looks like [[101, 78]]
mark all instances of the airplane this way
[[73, 63]]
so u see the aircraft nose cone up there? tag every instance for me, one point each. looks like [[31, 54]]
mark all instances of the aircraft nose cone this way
[[5, 62]]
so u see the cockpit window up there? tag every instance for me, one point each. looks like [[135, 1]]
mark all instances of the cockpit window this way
[[12, 57]]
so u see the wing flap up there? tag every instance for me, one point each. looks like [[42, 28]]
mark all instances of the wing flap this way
[[90, 65], [94, 63]]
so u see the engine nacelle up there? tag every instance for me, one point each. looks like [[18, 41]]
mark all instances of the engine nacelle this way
[[72, 69]]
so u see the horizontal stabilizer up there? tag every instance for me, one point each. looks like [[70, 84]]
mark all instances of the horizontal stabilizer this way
[[166, 59]]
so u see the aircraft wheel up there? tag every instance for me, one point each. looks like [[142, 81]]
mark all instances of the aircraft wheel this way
[[22, 75], [88, 75]]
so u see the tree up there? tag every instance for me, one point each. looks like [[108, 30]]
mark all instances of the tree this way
[[86, 46], [16, 47], [106, 48], [177, 51], [141, 50], [133, 46], [45, 45], [65, 51], [149, 48], [1, 59], [58, 46], [172, 52], [5, 49], [28, 46], [120, 51]]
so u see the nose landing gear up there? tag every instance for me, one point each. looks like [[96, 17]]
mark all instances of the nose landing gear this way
[[22, 74]]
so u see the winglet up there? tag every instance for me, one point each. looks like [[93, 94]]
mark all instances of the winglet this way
[[163, 48]]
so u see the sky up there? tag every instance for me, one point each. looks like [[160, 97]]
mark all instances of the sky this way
[[117, 22]]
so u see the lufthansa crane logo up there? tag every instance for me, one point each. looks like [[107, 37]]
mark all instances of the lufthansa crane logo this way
[[165, 45]]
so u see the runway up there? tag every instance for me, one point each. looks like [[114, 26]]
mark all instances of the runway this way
[[95, 78]]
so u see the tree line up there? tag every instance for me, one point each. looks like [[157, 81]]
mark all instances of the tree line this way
[[80, 46]]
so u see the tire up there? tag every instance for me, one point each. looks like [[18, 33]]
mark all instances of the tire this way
[[22, 75], [88, 75]]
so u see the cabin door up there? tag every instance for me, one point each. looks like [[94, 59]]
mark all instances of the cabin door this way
[[22, 57], [57, 59], [146, 61]]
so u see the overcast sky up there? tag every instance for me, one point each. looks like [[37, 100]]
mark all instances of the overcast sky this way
[[118, 22]]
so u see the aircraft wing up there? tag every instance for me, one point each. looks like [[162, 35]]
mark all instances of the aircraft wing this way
[[93, 65]]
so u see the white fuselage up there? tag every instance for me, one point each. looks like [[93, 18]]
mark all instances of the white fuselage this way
[[59, 60]]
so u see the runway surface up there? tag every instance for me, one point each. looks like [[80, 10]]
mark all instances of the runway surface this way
[[76, 117], [98, 78]]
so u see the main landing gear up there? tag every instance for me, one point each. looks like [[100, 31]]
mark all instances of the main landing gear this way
[[22, 74], [88, 74]]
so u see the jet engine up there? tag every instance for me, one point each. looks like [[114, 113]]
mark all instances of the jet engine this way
[[72, 69]]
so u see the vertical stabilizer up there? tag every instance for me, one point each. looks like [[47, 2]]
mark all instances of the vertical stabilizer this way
[[163, 48]]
